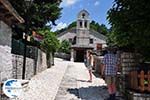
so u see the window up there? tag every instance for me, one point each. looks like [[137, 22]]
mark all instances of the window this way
[[83, 15], [70, 40], [74, 40], [85, 24], [91, 41], [80, 24]]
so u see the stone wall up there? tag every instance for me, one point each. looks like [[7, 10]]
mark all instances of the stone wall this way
[[5, 34], [33, 66], [5, 63], [129, 61], [5, 52], [41, 61], [11, 65], [63, 55], [17, 61]]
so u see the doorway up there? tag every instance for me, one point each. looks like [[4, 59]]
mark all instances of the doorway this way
[[80, 55]]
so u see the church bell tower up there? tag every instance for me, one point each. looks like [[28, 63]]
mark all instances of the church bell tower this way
[[83, 26]]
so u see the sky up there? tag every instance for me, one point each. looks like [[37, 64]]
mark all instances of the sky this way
[[96, 8]]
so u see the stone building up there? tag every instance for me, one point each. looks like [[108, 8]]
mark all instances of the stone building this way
[[8, 17], [11, 50], [82, 37]]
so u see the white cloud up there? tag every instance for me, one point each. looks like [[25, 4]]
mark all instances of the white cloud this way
[[59, 26], [96, 3], [67, 3]]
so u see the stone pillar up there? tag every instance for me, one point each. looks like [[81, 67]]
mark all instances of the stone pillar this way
[[72, 55], [129, 62]]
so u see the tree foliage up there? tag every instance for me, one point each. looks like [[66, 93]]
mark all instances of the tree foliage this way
[[93, 25], [130, 24], [50, 42], [65, 47], [36, 13], [73, 24], [99, 28]]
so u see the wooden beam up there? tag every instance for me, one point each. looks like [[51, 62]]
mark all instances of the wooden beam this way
[[9, 7]]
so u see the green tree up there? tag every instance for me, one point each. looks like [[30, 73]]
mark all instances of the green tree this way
[[73, 24], [93, 25], [103, 29], [65, 47], [36, 13], [99, 28], [130, 24], [50, 44]]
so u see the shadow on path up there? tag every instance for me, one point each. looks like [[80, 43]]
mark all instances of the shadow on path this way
[[83, 80], [90, 93], [96, 74]]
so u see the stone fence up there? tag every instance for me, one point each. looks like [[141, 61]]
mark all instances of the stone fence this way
[[11, 65], [63, 55]]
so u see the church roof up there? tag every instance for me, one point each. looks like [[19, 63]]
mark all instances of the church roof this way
[[98, 35], [71, 30], [83, 11], [92, 32]]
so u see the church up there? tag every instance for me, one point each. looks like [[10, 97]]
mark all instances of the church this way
[[83, 38]]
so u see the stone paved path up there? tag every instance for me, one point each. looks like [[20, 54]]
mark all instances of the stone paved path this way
[[74, 85], [44, 85], [65, 81], [68, 87], [90, 91]]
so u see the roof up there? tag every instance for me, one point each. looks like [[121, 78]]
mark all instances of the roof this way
[[83, 11], [72, 30], [8, 14], [97, 34], [92, 32]]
